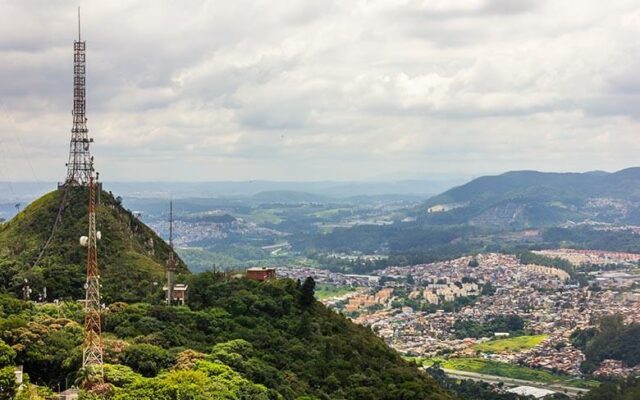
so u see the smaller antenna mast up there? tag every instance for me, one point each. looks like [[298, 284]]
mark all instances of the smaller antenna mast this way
[[171, 262], [171, 226], [79, 38]]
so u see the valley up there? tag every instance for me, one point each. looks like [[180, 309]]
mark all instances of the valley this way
[[495, 315], [501, 286]]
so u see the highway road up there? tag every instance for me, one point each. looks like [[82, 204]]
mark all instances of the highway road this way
[[556, 387]]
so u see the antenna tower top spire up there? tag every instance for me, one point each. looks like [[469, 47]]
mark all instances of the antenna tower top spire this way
[[80, 164]]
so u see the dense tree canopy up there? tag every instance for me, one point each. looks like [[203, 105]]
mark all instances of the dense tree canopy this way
[[625, 389], [612, 339], [237, 339], [465, 328]]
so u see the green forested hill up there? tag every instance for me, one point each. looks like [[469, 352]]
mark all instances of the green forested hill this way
[[237, 339], [622, 184], [130, 255], [532, 198]]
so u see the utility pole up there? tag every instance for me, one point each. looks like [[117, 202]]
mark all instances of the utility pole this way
[[171, 262]]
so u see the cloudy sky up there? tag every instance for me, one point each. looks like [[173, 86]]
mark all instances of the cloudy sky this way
[[310, 90]]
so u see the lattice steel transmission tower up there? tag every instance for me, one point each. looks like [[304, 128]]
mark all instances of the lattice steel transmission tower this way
[[171, 262], [92, 329], [80, 162], [80, 172]]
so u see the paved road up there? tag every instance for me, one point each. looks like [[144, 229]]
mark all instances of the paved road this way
[[569, 390]]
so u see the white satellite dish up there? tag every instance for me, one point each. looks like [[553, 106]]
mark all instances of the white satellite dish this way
[[84, 241]]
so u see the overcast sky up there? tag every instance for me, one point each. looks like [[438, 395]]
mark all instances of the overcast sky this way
[[309, 90]]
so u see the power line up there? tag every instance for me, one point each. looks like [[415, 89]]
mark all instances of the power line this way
[[6, 177]]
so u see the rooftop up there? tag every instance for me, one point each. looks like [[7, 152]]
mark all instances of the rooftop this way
[[538, 393]]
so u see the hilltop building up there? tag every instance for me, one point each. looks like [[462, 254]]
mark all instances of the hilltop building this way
[[178, 293], [261, 274]]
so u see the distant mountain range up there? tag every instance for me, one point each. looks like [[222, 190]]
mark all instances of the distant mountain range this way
[[534, 199], [294, 197], [331, 189], [12, 193], [516, 199]]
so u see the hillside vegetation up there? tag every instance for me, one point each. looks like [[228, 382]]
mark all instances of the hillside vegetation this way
[[237, 339], [611, 339], [131, 256], [624, 389]]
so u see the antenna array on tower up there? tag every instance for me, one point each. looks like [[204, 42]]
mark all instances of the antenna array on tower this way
[[80, 172], [80, 160]]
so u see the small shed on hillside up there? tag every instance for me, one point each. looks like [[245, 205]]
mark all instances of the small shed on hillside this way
[[179, 293], [70, 394], [261, 274]]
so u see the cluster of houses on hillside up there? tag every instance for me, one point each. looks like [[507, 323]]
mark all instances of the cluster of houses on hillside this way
[[540, 295]]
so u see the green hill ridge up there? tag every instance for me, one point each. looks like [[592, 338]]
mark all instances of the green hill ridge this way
[[131, 256], [537, 199]]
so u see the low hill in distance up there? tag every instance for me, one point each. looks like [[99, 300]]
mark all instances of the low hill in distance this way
[[288, 197], [534, 199], [131, 256]]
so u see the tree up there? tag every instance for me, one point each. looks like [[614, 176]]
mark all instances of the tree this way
[[146, 359], [622, 389], [8, 385], [613, 339], [119, 375], [7, 354], [410, 280], [86, 377], [488, 289], [307, 291]]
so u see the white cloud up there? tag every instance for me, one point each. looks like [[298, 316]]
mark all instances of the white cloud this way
[[207, 90]]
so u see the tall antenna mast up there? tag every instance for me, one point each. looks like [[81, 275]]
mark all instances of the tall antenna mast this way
[[171, 262], [81, 173], [79, 164]]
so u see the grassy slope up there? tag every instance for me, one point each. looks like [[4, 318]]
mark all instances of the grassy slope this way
[[511, 344], [326, 291], [131, 255]]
